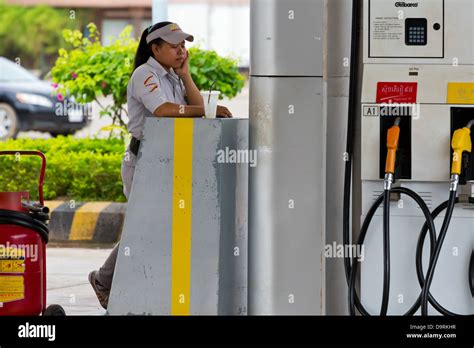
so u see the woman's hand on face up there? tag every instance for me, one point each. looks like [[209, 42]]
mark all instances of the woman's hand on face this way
[[183, 71], [223, 112]]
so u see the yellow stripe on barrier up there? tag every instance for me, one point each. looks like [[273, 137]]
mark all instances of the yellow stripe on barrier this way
[[182, 211], [53, 205], [85, 220]]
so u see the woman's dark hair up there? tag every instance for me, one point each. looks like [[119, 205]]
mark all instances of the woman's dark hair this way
[[144, 50]]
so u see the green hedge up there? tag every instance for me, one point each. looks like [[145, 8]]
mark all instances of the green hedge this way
[[76, 169]]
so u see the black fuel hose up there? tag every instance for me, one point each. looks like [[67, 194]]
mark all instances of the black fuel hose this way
[[419, 258], [386, 253], [352, 112], [437, 251], [354, 301]]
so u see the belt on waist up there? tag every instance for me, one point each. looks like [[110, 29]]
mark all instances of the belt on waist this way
[[134, 145]]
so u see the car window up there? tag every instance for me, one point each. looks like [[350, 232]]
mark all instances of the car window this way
[[10, 71]]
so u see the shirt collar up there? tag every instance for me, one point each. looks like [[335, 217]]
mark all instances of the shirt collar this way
[[159, 68]]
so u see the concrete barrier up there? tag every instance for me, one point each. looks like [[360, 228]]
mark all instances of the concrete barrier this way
[[91, 222], [184, 245]]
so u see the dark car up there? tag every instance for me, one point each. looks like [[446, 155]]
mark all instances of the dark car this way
[[28, 103]]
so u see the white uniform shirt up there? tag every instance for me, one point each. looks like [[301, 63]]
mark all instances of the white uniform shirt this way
[[149, 87]]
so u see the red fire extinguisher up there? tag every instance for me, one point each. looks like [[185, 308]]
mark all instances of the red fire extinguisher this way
[[23, 238]]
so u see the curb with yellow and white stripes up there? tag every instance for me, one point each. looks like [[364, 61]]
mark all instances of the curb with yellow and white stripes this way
[[94, 222]]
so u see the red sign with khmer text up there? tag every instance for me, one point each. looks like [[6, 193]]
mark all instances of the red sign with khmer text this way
[[396, 92]]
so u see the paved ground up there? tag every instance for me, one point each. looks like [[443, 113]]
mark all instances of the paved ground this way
[[67, 270]]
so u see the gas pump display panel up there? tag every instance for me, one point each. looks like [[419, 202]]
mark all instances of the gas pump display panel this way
[[399, 29]]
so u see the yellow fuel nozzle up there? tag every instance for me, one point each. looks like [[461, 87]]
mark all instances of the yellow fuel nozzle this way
[[461, 142], [393, 135]]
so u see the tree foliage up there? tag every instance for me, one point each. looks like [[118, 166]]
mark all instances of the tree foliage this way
[[31, 34]]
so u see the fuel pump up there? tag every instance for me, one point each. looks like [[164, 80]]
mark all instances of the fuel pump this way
[[416, 112]]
